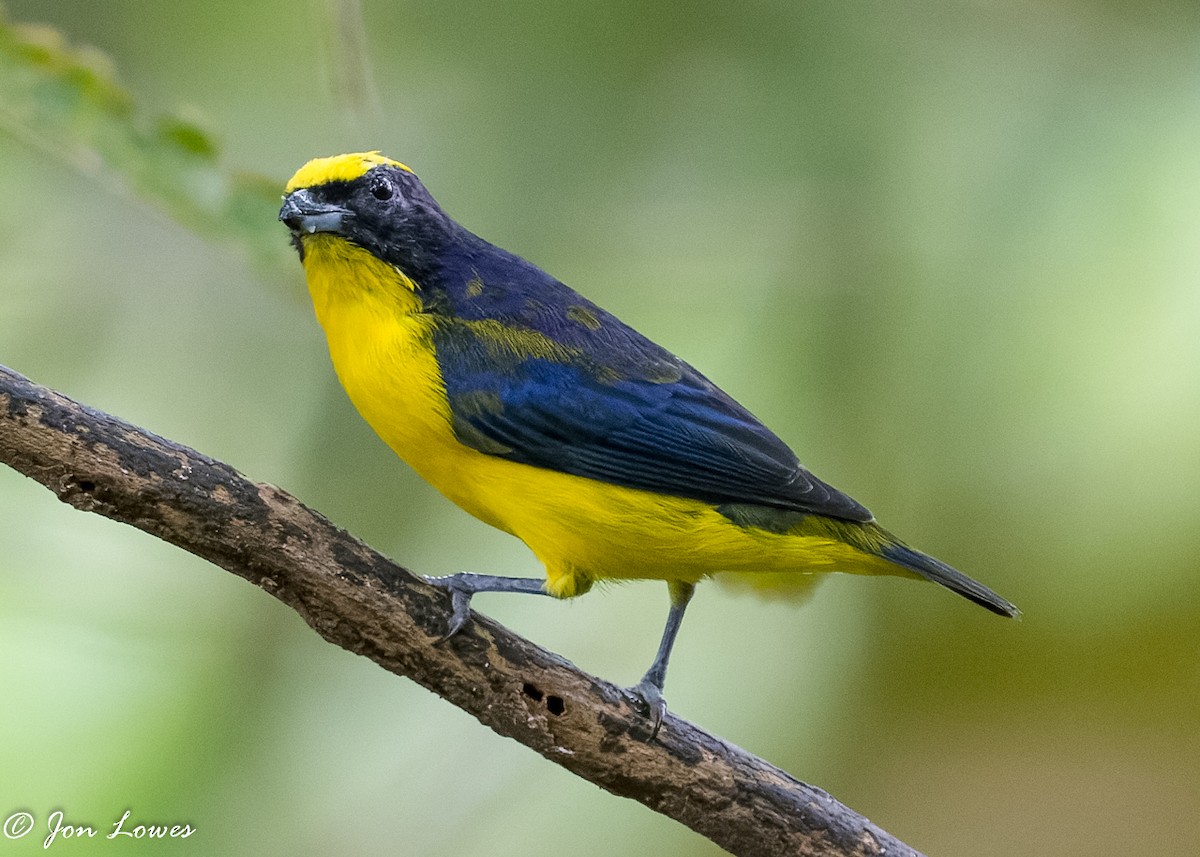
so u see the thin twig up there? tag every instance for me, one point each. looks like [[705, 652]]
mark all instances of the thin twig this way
[[361, 601]]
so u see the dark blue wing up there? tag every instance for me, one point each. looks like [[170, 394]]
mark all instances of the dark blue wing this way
[[605, 403]]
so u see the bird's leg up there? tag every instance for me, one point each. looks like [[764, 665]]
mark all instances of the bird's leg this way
[[462, 586], [650, 689]]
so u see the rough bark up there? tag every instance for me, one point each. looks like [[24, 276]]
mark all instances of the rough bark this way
[[361, 601]]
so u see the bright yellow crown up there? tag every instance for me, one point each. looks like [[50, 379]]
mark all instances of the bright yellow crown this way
[[339, 168]]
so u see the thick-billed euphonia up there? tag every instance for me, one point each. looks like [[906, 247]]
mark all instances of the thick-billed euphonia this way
[[547, 417]]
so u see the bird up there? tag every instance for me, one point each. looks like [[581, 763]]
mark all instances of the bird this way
[[548, 418]]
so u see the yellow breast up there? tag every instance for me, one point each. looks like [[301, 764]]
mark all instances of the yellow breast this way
[[381, 346]]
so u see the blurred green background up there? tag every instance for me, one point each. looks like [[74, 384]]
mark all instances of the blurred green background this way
[[947, 250]]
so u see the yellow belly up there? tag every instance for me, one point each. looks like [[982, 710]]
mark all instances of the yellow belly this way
[[582, 530]]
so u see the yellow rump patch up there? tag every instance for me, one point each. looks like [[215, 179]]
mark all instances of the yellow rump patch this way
[[338, 168]]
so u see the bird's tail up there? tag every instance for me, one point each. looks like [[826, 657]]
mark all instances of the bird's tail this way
[[931, 569]]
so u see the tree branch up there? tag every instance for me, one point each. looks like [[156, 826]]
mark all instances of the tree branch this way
[[361, 601]]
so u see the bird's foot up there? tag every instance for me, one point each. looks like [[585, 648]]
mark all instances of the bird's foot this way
[[648, 698], [460, 603], [465, 584]]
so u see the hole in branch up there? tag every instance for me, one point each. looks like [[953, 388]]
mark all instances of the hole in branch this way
[[555, 705], [532, 692]]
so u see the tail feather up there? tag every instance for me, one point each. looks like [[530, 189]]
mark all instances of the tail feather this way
[[937, 571]]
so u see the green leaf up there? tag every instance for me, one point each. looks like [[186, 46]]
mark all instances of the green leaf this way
[[67, 101]]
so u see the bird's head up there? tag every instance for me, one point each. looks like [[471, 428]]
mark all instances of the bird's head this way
[[368, 200]]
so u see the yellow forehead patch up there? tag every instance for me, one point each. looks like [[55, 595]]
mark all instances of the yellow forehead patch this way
[[339, 168]]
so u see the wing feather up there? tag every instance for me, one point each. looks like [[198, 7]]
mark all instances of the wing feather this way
[[672, 432]]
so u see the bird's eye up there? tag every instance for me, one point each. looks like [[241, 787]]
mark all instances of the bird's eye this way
[[381, 190]]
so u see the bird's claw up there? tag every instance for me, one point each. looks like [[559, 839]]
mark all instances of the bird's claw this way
[[647, 697], [460, 605]]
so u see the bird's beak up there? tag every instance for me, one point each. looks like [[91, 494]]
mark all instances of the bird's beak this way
[[304, 215]]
